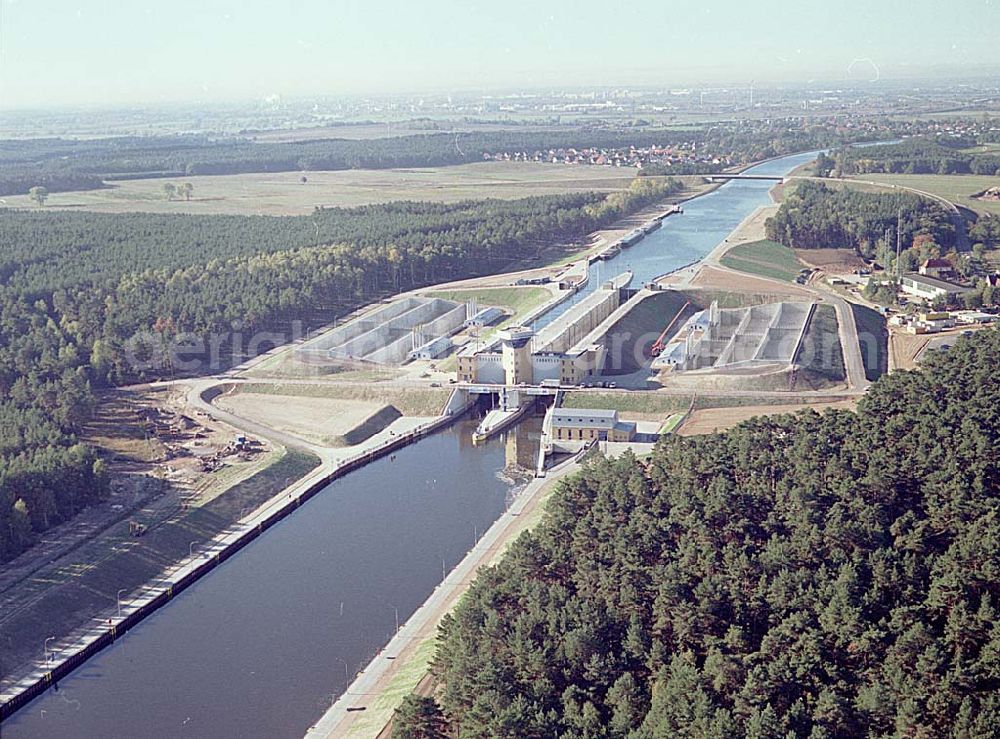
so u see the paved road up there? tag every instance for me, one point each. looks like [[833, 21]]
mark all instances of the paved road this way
[[195, 400]]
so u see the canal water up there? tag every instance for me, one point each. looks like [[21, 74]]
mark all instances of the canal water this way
[[258, 648], [687, 237]]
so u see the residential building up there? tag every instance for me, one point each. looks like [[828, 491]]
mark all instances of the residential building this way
[[939, 268]]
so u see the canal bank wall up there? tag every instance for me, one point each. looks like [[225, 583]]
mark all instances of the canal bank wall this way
[[83, 645]]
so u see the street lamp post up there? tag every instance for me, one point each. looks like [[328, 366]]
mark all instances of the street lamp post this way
[[45, 649], [396, 610], [191, 549], [118, 597]]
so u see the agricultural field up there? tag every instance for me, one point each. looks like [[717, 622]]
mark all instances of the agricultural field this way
[[764, 258], [831, 261], [284, 193], [958, 188]]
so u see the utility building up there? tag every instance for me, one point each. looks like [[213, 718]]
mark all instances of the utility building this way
[[931, 288], [589, 424]]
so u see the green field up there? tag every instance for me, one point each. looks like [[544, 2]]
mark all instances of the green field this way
[[283, 193], [515, 299], [764, 258], [650, 401], [958, 188]]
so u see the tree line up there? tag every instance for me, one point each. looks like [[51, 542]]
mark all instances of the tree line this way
[[77, 288], [62, 165], [918, 155], [817, 216], [811, 575]]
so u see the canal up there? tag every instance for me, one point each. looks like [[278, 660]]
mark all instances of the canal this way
[[259, 647], [687, 237]]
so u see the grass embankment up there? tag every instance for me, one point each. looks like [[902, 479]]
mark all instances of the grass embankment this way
[[517, 300], [821, 355], [380, 710], [285, 365], [672, 423], [409, 401], [873, 339], [764, 258], [632, 335], [957, 188], [331, 422], [652, 402]]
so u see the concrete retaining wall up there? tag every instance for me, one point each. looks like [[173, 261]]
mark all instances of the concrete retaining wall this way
[[358, 326], [386, 337], [577, 322]]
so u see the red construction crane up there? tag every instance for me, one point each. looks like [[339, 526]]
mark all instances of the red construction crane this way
[[659, 345]]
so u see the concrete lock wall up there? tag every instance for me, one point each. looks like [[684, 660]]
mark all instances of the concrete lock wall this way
[[394, 352], [394, 329], [545, 368], [398, 351], [451, 320], [363, 324], [577, 322]]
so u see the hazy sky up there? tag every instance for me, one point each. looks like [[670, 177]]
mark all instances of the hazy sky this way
[[119, 51]]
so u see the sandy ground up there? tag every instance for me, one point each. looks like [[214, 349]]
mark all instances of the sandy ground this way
[[831, 261], [904, 349], [320, 420], [722, 279], [709, 420]]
